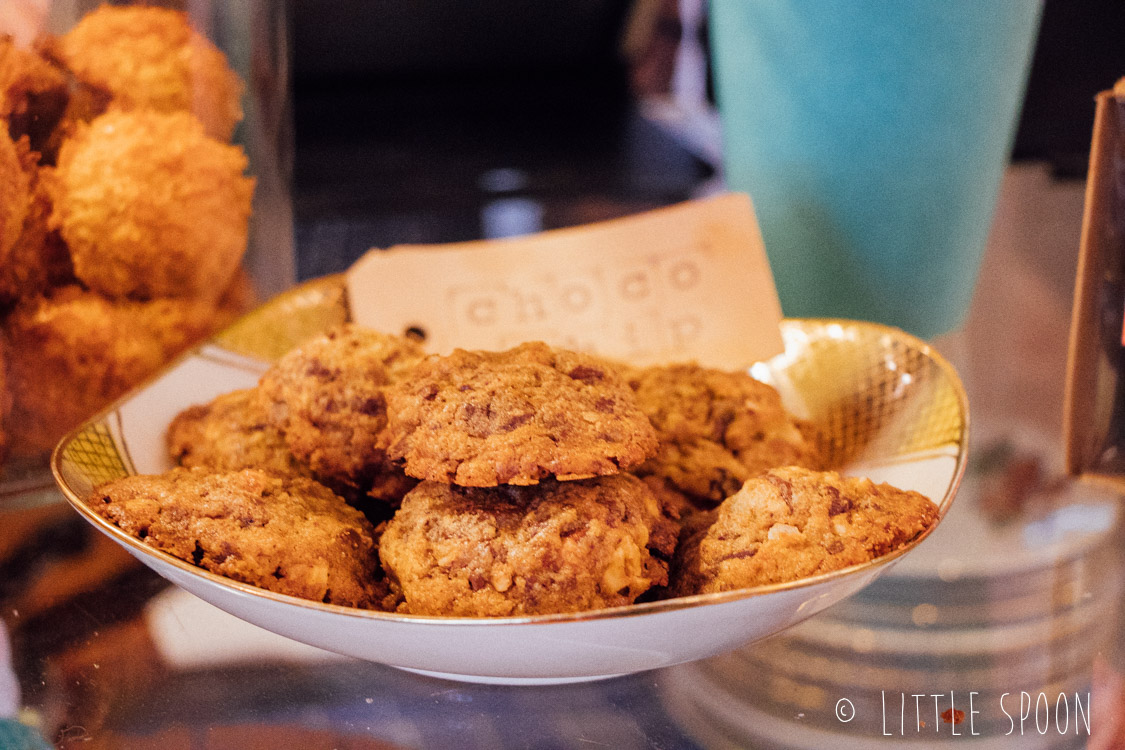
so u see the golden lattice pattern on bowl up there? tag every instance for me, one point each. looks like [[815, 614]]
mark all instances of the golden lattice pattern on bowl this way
[[870, 389]]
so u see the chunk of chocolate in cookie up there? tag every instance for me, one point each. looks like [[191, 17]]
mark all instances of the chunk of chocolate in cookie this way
[[481, 419], [506, 551]]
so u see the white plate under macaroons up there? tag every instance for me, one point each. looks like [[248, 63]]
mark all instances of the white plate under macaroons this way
[[891, 408]]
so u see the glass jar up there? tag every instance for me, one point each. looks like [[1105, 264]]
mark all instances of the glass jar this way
[[149, 154]]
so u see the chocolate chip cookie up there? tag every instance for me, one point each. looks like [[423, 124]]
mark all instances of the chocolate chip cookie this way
[[791, 523], [716, 429], [506, 551], [232, 432], [515, 417], [327, 398], [288, 535]]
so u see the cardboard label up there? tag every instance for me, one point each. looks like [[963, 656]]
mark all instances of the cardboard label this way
[[688, 282]]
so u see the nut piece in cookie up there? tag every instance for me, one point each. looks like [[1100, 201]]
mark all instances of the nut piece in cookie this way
[[230, 433], [481, 419], [716, 429], [792, 523], [288, 535], [505, 551], [327, 398]]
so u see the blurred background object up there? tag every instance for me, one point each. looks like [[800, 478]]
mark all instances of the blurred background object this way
[[24, 19], [412, 118], [1078, 54], [872, 139], [424, 122]]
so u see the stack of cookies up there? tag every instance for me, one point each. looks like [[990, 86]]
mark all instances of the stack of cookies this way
[[487, 484], [525, 506]]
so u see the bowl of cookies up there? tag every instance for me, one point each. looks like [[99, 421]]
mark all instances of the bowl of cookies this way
[[525, 516]]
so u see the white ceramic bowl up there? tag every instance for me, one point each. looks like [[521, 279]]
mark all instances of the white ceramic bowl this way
[[891, 408]]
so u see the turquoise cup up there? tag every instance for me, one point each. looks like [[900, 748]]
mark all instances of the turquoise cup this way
[[872, 136]]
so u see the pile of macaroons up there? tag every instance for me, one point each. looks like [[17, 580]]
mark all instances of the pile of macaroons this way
[[536, 480], [124, 212]]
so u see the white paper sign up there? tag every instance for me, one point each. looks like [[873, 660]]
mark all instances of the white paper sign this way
[[688, 282]]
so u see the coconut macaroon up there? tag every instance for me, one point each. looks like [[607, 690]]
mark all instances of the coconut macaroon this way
[[151, 207], [716, 429], [71, 352], [285, 534], [327, 397], [792, 523], [555, 547], [151, 58]]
